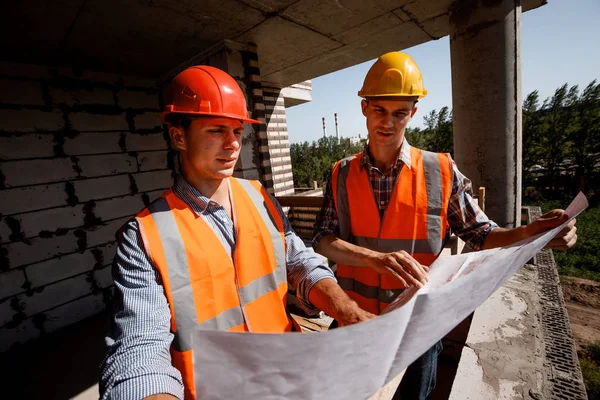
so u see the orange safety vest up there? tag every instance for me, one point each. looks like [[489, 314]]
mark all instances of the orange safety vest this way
[[205, 288], [415, 220]]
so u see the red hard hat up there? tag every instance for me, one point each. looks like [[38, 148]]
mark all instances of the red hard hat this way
[[204, 90]]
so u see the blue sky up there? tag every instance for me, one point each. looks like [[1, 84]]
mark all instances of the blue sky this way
[[560, 43]]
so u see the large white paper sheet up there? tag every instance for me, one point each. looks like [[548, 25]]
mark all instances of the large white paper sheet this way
[[356, 361]]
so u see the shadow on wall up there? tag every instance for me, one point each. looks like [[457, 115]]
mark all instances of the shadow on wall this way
[[58, 366]]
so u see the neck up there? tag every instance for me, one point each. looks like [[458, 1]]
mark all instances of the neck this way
[[214, 189], [384, 157]]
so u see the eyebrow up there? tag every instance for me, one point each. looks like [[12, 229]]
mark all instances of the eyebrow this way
[[221, 126], [394, 111]]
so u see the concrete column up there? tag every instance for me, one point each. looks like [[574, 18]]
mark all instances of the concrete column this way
[[485, 48]]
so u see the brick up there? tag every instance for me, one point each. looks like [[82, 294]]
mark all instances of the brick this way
[[102, 188], [21, 333], [11, 283], [148, 120], [73, 312], [155, 194], [147, 181], [137, 100], [85, 122], [26, 146], [118, 207], [23, 70], [32, 198], [106, 233], [40, 249], [7, 312], [32, 172], [50, 220], [93, 143], [103, 277], [152, 160], [152, 141], [82, 96], [5, 231], [21, 92], [31, 120], [108, 253], [55, 294], [101, 77], [106, 164], [134, 81], [60, 268]]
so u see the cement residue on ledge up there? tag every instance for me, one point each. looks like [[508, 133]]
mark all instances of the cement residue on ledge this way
[[503, 356]]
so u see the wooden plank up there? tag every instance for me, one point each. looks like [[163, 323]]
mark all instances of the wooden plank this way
[[300, 201]]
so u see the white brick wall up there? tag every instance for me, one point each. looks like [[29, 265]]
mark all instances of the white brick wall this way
[[26, 146], [20, 92], [54, 270], [68, 161], [32, 198], [106, 164], [147, 181], [152, 141], [73, 312], [86, 96], [137, 100], [11, 283], [31, 172], [151, 160], [102, 188], [50, 220], [40, 248], [21, 333], [30, 120], [93, 143], [56, 294], [85, 122], [118, 207]]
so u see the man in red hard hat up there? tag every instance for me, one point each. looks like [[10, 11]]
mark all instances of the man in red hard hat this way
[[213, 251]]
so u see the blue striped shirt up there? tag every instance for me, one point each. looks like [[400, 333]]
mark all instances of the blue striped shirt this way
[[138, 362]]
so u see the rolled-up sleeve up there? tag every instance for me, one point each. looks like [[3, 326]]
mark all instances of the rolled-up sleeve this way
[[466, 219], [138, 363], [304, 266]]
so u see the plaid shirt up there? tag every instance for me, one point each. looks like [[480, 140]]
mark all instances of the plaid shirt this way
[[465, 217]]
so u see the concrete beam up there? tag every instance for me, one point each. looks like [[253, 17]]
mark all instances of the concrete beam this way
[[485, 48]]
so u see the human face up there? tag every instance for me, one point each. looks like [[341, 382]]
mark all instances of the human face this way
[[386, 120], [209, 148]]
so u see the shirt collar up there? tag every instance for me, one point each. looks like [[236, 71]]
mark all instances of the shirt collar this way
[[403, 156], [191, 195]]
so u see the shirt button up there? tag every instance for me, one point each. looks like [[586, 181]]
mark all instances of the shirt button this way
[[383, 202]]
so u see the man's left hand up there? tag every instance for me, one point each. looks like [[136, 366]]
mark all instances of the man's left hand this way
[[565, 239]]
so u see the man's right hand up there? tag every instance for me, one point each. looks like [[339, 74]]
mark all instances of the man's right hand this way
[[402, 266]]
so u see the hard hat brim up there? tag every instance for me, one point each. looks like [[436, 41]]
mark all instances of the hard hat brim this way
[[162, 116]]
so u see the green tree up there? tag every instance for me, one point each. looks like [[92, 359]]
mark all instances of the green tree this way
[[438, 131], [533, 128]]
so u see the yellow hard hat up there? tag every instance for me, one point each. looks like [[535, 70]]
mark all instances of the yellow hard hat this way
[[394, 74]]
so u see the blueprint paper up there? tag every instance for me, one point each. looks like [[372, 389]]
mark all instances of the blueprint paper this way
[[354, 362]]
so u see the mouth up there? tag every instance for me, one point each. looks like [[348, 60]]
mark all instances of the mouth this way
[[227, 160], [384, 133]]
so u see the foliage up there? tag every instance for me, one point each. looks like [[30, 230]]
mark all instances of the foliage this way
[[313, 162], [589, 360]]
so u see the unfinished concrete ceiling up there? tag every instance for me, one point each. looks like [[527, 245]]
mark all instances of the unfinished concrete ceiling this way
[[297, 39]]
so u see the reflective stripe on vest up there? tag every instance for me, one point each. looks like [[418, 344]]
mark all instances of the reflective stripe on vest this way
[[415, 220], [204, 286]]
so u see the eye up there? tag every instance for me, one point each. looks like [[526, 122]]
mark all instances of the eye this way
[[238, 131]]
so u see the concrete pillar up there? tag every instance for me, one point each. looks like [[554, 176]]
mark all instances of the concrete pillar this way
[[485, 48]]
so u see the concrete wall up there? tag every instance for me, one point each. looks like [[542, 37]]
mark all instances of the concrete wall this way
[[80, 153]]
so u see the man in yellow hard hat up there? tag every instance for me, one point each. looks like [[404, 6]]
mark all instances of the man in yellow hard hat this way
[[213, 252], [388, 209]]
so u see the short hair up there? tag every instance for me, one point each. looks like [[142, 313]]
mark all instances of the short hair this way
[[179, 120]]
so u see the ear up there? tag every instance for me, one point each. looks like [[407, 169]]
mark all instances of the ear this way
[[414, 111], [177, 137], [363, 105]]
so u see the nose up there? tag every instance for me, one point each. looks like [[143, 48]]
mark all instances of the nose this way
[[387, 121], [232, 141]]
